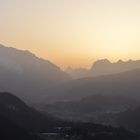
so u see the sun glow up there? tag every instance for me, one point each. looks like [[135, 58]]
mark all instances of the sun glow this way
[[75, 32]]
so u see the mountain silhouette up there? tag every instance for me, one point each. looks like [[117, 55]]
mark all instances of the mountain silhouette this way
[[104, 67], [26, 75]]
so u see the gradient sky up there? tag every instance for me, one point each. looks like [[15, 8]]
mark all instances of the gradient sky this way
[[72, 32]]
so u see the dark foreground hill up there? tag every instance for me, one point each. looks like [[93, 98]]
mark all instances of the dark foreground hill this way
[[19, 121], [11, 131], [129, 119], [18, 112]]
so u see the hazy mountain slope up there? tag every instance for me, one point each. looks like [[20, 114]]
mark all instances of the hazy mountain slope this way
[[104, 67], [26, 75], [124, 84]]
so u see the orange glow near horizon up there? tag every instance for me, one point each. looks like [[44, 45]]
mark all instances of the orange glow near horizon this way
[[73, 33]]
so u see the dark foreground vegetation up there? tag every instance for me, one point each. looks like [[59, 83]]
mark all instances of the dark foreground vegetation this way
[[89, 131]]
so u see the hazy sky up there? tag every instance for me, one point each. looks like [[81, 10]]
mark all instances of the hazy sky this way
[[72, 32]]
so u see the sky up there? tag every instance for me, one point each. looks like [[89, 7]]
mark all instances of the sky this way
[[72, 32]]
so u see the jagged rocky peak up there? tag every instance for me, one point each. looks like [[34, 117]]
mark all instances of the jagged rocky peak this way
[[120, 61], [101, 62]]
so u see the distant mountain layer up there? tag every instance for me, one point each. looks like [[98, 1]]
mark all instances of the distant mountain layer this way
[[122, 84], [104, 67], [26, 75], [93, 108]]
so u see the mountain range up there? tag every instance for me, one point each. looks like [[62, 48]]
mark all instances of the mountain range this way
[[32, 78], [108, 93], [103, 67]]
